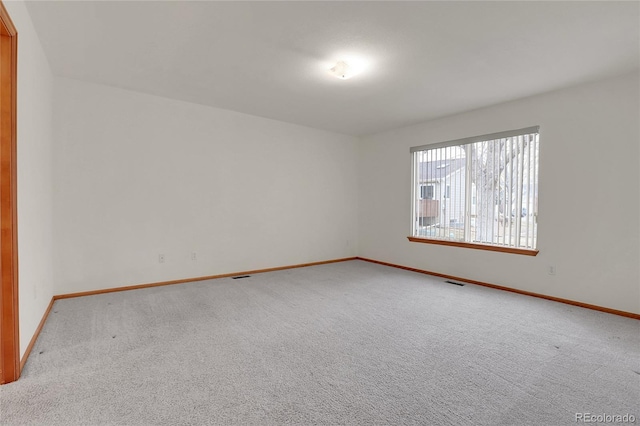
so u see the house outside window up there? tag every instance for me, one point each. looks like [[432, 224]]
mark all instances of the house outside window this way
[[481, 190]]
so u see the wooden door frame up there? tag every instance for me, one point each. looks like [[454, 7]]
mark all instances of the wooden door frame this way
[[9, 333]]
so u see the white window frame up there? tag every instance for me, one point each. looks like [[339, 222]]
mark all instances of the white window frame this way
[[514, 244]]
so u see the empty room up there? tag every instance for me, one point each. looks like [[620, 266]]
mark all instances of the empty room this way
[[319, 213]]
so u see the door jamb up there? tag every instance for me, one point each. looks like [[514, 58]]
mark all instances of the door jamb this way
[[9, 332]]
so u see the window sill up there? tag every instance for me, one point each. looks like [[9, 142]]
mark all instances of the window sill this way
[[526, 252]]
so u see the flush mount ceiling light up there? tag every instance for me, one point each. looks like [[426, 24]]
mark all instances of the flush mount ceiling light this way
[[341, 70], [348, 65]]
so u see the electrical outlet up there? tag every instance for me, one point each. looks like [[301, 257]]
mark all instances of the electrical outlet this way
[[552, 270], [194, 256], [161, 258]]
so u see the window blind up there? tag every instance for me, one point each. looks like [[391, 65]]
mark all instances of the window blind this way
[[482, 189]]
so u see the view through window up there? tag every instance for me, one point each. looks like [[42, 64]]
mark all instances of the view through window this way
[[481, 190]]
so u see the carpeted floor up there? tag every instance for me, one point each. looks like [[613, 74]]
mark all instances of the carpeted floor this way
[[345, 343]]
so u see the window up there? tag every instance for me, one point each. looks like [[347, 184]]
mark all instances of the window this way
[[480, 192], [426, 192]]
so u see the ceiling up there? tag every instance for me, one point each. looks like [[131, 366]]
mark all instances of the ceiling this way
[[422, 59]]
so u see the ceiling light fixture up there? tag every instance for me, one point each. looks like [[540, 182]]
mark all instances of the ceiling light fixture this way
[[341, 70]]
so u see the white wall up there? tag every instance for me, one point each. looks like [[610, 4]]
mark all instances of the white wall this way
[[588, 203], [35, 204], [137, 176]]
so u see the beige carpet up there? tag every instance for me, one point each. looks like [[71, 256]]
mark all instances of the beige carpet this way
[[345, 343]]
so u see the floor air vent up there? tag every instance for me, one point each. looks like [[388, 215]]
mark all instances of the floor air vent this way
[[454, 283], [240, 276]]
